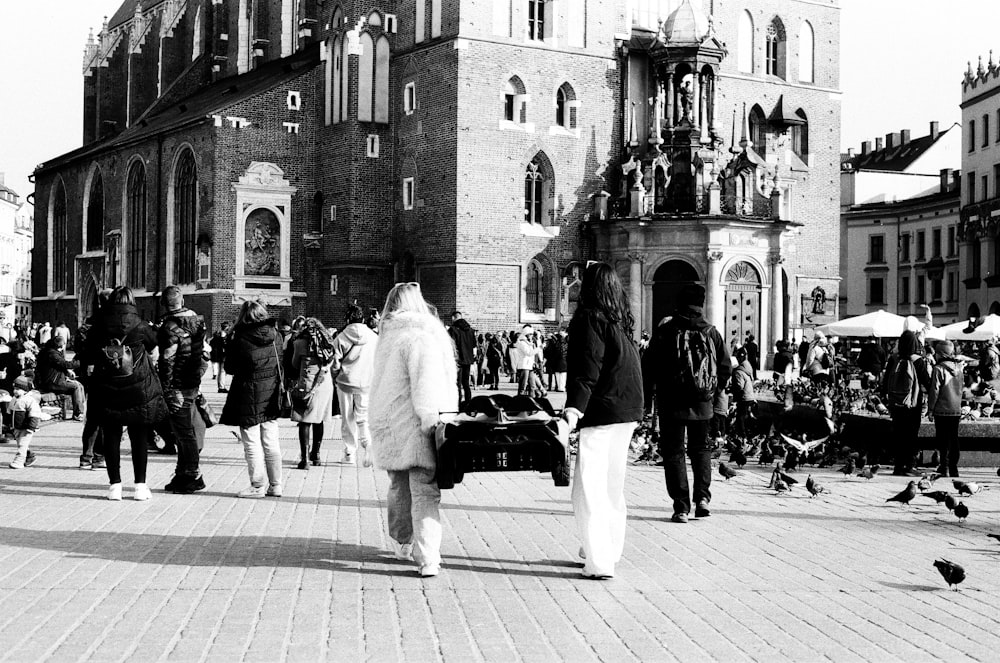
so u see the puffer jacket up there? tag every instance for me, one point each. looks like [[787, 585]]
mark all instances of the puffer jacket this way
[[415, 380], [465, 341], [944, 397], [131, 399], [742, 386], [184, 330], [52, 368], [354, 358], [252, 359]]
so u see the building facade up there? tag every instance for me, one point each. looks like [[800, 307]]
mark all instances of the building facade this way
[[24, 223], [14, 254], [311, 154], [979, 220]]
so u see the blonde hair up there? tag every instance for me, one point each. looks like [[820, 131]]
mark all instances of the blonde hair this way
[[405, 297], [251, 312]]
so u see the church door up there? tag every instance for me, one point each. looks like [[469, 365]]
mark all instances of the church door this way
[[743, 294]]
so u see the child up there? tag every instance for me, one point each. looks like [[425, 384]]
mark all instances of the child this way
[[944, 403], [26, 414]]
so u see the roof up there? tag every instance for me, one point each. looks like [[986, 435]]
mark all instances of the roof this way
[[686, 25], [951, 196], [897, 158], [203, 103], [780, 116], [127, 11]]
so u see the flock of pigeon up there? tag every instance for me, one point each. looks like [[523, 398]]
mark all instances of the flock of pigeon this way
[[856, 465]]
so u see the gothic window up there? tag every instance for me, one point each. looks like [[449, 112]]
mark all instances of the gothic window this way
[[419, 21], [774, 55], [534, 183], [744, 43], [204, 260], [335, 77], [135, 226], [345, 80], [366, 77], [382, 80], [807, 49], [800, 136], [185, 218], [435, 18], [95, 214], [536, 20], [566, 108], [758, 130], [197, 40], [514, 105], [59, 224], [533, 290]]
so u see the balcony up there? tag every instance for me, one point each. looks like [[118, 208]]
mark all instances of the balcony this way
[[759, 208], [976, 218]]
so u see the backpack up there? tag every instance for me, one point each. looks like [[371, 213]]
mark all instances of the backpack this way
[[903, 387], [696, 369], [117, 359]]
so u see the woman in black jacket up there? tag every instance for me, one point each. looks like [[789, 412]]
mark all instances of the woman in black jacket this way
[[604, 395], [253, 360], [124, 388]]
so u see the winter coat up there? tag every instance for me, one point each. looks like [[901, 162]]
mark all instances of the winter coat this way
[[131, 399], [415, 380], [252, 359], [989, 362], [354, 358], [217, 347], [311, 374], [753, 354], [465, 341], [872, 358], [555, 355], [659, 376], [742, 387], [183, 330], [782, 361], [523, 354], [944, 397], [604, 381], [52, 368], [494, 355]]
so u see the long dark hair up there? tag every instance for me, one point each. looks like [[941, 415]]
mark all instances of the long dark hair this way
[[602, 291]]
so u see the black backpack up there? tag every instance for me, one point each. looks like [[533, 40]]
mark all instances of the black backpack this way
[[696, 371], [117, 359]]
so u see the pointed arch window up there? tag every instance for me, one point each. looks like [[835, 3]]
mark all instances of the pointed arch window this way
[[95, 214], [185, 219], [774, 55], [533, 291], [534, 184], [382, 80], [135, 226], [807, 50], [59, 223], [366, 78], [566, 107], [515, 101], [744, 43]]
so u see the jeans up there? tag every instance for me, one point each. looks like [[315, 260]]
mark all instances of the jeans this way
[[139, 436], [946, 432], [354, 420], [464, 375], [906, 426], [561, 381], [74, 389], [263, 453], [93, 446], [598, 494], [673, 449], [414, 513], [185, 435]]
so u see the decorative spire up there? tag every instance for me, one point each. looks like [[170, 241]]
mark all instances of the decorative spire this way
[[732, 141], [745, 141], [992, 66]]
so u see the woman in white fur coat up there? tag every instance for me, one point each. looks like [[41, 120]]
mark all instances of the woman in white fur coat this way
[[415, 380]]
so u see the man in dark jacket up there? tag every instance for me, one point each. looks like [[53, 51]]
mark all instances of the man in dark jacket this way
[[52, 374], [753, 354], [465, 345], [680, 408], [181, 340]]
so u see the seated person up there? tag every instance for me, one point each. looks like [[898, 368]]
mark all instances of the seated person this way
[[53, 373]]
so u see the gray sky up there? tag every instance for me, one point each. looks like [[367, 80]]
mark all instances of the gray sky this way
[[901, 66]]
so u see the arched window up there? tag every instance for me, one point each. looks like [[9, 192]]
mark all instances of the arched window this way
[[345, 80], [800, 136], [261, 23], [435, 18], [419, 20], [382, 80], [374, 19], [185, 219], [566, 107], [95, 214], [366, 77], [744, 43], [514, 107], [533, 290], [774, 55], [334, 64], [135, 226], [534, 194], [807, 46], [59, 224], [758, 130], [198, 39]]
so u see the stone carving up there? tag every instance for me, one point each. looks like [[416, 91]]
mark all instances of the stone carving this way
[[818, 296], [262, 245]]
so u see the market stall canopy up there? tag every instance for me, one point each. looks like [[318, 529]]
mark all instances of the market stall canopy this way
[[880, 323], [983, 331]]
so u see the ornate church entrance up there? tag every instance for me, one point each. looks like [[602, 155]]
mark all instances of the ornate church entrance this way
[[743, 290], [668, 280]]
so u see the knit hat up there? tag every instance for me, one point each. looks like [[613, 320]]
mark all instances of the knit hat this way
[[22, 382], [692, 294]]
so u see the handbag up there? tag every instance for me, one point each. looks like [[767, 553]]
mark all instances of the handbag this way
[[284, 399], [302, 396], [205, 410]]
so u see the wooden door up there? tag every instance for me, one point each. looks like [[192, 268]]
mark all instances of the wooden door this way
[[742, 316]]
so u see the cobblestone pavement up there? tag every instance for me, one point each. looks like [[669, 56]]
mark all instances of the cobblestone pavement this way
[[209, 577]]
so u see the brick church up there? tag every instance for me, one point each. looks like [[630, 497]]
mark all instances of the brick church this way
[[310, 153]]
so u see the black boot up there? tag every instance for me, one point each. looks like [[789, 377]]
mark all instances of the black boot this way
[[303, 445], [317, 430]]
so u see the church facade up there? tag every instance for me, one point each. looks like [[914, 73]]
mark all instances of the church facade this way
[[311, 153]]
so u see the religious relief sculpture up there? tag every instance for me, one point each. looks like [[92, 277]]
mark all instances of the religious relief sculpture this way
[[818, 295], [262, 246]]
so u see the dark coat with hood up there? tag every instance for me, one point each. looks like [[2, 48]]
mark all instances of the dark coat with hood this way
[[465, 341], [252, 359], [555, 355], [659, 372], [909, 348], [183, 330], [52, 368], [604, 380], [131, 399]]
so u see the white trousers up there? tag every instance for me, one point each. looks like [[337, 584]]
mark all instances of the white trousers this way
[[353, 419], [414, 513], [599, 494], [263, 453]]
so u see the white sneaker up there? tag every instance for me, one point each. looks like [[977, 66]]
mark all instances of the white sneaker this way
[[16, 464], [366, 454], [115, 492], [403, 551], [253, 492], [141, 492], [429, 570]]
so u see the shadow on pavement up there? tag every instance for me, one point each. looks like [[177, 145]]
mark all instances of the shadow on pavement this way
[[910, 588]]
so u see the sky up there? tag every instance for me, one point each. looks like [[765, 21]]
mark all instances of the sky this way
[[901, 67]]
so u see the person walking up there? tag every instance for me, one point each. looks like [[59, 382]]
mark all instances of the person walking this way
[[465, 352], [415, 378], [556, 359], [312, 357], [217, 356], [684, 384], [353, 363], [783, 362], [494, 362], [253, 361], [944, 404], [125, 389], [906, 381], [743, 393], [604, 398], [181, 341], [753, 354]]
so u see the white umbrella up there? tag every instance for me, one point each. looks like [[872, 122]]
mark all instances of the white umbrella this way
[[990, 328], [880, 323]]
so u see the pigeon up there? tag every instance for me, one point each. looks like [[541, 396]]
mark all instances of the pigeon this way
[[848, 470], [950, 502], [994, 536], [924, 484], [933, 477], [813, 487], [727, 471], [952, 573], [961, 511], [868, 472], [738, 457], [784, 477], [766, 455], [964, 488], [779, 485], [937, 495], [906, 494]]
